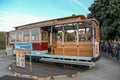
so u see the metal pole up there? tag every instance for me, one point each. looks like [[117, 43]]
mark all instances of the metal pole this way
[[30, 65], [13, 63]]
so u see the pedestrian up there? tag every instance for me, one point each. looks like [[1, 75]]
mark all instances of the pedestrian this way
[[118, 53], [111, 49], [106, 48], [115, 49]]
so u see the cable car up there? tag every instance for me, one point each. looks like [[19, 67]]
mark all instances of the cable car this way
[[69, 40]]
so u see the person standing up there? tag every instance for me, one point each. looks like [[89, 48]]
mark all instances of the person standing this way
[[115, 49], [118, 53]]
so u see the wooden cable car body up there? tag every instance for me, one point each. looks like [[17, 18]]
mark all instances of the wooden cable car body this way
[[51, 40]]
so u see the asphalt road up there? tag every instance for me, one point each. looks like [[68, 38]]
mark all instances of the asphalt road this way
[[5, 61], [106, 68]]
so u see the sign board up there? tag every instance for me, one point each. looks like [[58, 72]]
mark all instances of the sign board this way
[[22, 45], [20, 58]]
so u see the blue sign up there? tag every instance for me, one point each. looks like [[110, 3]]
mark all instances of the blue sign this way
[[22, 45]]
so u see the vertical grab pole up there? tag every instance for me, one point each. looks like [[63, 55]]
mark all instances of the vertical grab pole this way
[[40, 35], [93, 40], [15, 36], [51, 36], [22, 37], [63, 35], [30, 35], [51, 39], [77, 35], [63, 38]]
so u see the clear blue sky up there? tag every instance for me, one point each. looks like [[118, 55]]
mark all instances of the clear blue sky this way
[[45, 9]]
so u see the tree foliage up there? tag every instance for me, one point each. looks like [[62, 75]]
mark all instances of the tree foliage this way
[[68, 36], [107, 12], [2, 40]]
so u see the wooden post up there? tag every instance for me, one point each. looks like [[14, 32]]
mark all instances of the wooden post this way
[[63, 35], [6, 37], [22, 36], [93, 41], [63, 38], [51, 36], [77, 40], [85, 35], [51, 40], [30, 36], [40, 35], [77, 35], [15, 37]]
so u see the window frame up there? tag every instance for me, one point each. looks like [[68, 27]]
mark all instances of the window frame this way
[[10, 40], [21, 36], [42, 35], [24, 36], [38, 35]]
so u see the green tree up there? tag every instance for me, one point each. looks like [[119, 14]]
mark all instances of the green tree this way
[[107, 12], [2, 40], [69, 36]]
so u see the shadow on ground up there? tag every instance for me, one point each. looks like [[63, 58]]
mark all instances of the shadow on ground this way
[[44, 69]]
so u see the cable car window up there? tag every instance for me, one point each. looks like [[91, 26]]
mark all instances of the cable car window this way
[[12, 37], [26, 36], [35, 35], [44, 35], [69, 35], [85, 34], [19, 36], [54, 36]]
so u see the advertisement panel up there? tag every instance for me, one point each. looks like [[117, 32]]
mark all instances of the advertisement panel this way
[[20, 58]]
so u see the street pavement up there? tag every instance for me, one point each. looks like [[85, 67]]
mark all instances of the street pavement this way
[[106, 68], [7, 77], [5, 61]]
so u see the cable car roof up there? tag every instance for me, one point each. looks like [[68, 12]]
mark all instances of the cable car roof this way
[[58, 21]]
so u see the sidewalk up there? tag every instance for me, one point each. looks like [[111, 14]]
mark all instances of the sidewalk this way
[[110, 57]]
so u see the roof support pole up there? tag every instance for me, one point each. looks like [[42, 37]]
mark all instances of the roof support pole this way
[[51, 35], [51, 30], [40, 35], [77, 34], [63, 35], [63, 39], [30, 35]]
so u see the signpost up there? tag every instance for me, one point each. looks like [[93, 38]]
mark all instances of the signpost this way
[[28, 51], [21, 50], [20, 58]]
